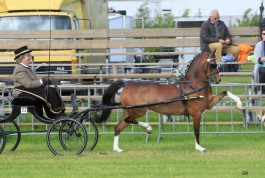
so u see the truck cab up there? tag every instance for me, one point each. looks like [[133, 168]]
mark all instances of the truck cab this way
[[39, 21], [36, 15]]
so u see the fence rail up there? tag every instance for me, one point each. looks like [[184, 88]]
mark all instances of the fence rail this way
[[223, 118], [116, 38]]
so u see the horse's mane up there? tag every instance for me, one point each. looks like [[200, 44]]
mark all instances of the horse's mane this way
[[191, 62], [195, 58]]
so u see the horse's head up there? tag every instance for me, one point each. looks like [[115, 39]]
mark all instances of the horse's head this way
[[202, 67], [212, 71]]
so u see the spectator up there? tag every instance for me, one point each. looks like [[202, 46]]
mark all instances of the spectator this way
[[214, 36], [26, 84], [259, 68]]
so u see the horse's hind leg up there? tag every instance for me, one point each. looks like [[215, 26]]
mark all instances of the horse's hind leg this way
[[121, 125], [129, 117], [118, 128]]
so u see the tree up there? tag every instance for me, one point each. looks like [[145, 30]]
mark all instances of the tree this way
[[160, 21], [186, 13], [143, 16], [164, 21], [247, 21]]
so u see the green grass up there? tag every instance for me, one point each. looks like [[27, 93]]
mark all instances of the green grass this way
[[174, 156]]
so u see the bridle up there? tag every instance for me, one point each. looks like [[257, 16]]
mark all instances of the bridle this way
[[211, 64]]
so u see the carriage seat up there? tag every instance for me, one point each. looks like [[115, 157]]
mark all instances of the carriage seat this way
[[24, 101]]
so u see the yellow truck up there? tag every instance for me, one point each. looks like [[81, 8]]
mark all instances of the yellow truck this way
[[52, 15]]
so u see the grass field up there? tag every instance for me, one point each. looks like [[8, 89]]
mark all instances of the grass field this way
[[227, 156]]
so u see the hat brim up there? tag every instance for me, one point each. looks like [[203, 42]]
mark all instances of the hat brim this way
[[23, 52]]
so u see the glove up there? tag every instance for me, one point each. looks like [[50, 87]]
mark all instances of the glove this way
[[45, 80]]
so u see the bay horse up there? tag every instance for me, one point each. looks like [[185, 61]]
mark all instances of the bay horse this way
[[190, 95]]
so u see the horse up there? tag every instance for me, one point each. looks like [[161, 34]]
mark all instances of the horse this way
[[190, 95]]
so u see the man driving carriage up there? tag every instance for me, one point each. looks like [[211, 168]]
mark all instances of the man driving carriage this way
[[43, 91]]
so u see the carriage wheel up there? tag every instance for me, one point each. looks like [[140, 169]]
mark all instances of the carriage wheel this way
[[15, 134], [2, 139], [92, 131], [66, 137], [13, 130]]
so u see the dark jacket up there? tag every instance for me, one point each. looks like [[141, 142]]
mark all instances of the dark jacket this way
[[208, 34]]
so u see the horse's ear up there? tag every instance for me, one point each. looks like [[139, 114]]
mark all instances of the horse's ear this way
[[211, 55]]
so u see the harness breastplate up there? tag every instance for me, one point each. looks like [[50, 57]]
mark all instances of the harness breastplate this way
[[185, 99]]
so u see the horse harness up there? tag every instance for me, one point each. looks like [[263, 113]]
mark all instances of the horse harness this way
[[184, 95]]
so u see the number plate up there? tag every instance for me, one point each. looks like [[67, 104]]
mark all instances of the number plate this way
[[24, 109]]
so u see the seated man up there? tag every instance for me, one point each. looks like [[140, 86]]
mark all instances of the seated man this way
[[26, 84], [259, 55], [214, 36]]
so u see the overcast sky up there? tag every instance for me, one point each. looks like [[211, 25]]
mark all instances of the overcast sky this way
[[225, 7]]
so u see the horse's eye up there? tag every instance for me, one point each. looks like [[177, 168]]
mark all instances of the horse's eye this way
[[213, 65]]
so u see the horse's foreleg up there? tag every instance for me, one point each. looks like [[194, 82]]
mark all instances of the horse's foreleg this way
[[236, 99], [216, 99], [196, 125]]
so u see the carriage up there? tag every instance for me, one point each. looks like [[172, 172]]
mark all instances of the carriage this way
[[64, 136], [189, 95]]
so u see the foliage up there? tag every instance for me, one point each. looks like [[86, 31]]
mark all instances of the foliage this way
[[164, 21], [186, 13], [160, 21], [248, 19], [143, 16]]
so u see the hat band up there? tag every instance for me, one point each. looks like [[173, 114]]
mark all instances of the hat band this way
[[22, 52]]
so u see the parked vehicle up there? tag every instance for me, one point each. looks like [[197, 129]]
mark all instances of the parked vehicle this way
[[52, 15]]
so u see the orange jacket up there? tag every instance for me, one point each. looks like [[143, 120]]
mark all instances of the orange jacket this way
[[244, 50]]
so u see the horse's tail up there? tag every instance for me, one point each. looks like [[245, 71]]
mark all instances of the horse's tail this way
[[108, 99]]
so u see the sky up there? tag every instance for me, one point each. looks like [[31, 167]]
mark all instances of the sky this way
[[177, 7]]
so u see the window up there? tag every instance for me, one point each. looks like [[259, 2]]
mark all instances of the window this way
[[43, 22]]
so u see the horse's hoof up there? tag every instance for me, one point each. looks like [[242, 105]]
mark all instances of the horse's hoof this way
[[200, 148], [203, 150], [118, 150], [239, 106], [149, 131]]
